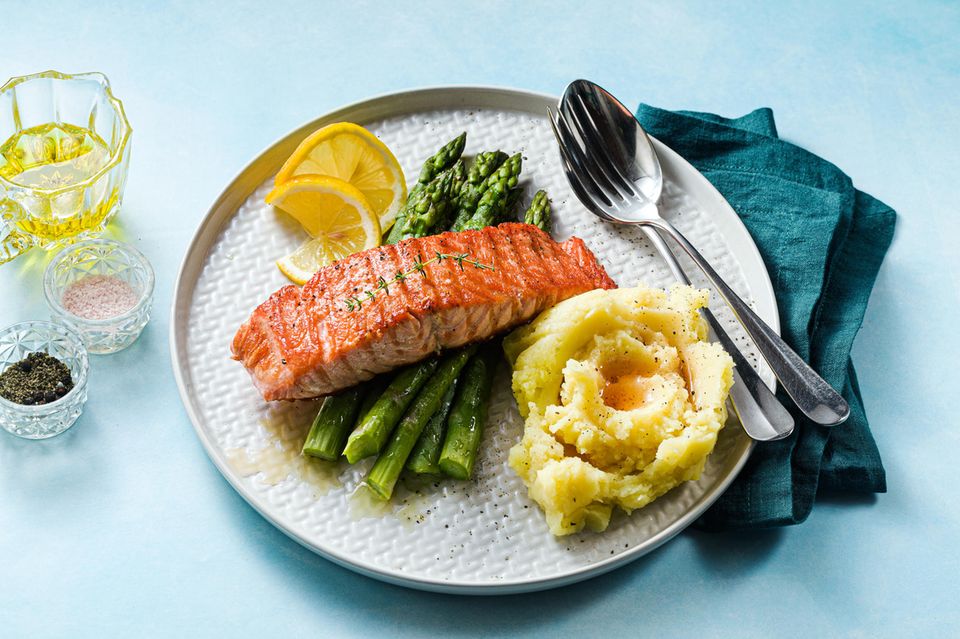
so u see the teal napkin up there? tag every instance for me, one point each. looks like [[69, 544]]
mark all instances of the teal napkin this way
[[823, 242]]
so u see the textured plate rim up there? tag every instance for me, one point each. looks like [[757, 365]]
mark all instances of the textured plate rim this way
[[412, 101]]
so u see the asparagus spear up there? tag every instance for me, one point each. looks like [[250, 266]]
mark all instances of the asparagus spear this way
[[483, 167], [442, 160], [371, 393], [509, 213], [468, 415], [375, 427], [496, 195], [459, 172], [338, 415], [385, 472], [538, 213], [433, 206], [423, 458], [332, 424], [434, 165]]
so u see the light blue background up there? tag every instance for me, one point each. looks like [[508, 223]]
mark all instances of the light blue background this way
[[122, 527]]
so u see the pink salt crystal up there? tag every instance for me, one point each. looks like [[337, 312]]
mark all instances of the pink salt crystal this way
[[99, 297]]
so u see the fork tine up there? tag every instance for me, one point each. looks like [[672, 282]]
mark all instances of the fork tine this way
[[580, 191], [588, 169], [579, 188], [588, 129], [569, 150]]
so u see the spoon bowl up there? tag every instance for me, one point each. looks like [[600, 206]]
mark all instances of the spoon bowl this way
[[616, 132]]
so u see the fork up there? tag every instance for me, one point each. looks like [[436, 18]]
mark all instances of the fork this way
[[607, 191]]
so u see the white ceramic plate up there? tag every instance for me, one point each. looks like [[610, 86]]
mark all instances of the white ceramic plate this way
[[483, 536]]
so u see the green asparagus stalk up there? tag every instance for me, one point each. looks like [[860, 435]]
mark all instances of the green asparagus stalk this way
[[332, 424], [459, 173], [371, 393], [433, 207], [510, 211], [484, 164], [370, 435], [468, 415], [434, 165], [440, 161], [493, 203], [423, 459], [386, 471], [538, 213]]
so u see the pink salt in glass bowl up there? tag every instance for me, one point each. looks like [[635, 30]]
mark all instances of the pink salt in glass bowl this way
[[103, 289]]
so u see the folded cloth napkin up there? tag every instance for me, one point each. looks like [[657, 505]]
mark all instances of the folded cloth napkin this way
[[823, 242]]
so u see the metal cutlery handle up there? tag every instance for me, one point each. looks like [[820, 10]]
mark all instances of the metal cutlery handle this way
[[762, 415], [812, 394]]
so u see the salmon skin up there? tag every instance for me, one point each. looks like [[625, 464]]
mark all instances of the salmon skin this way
[[312, 341]]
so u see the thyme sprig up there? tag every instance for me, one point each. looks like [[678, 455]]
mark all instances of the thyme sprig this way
[[419, 266]]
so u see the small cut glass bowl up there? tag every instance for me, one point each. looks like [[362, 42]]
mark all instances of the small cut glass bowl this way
[[44, 420], [106, 258]]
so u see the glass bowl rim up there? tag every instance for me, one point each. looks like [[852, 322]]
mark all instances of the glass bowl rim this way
[[129, 251], [78, 384], [116, 155]]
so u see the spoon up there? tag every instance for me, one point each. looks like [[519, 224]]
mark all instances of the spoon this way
[[615, 172]]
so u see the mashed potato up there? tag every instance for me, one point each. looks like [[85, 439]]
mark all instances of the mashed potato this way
[[623, 400]]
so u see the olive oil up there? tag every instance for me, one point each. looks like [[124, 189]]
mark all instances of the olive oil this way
[[52, 164]]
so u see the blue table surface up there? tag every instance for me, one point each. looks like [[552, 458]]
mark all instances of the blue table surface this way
[[123, 527]]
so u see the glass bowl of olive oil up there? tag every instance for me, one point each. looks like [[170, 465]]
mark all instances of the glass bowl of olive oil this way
[[64, 153]]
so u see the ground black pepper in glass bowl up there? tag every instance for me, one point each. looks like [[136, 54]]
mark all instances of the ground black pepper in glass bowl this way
[[37, 379], [36, 359]]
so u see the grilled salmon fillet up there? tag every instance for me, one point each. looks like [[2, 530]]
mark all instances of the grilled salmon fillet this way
[[307, 342]]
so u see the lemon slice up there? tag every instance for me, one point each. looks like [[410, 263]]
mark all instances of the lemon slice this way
[[351, 153], [303, 263], [335, 214]]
